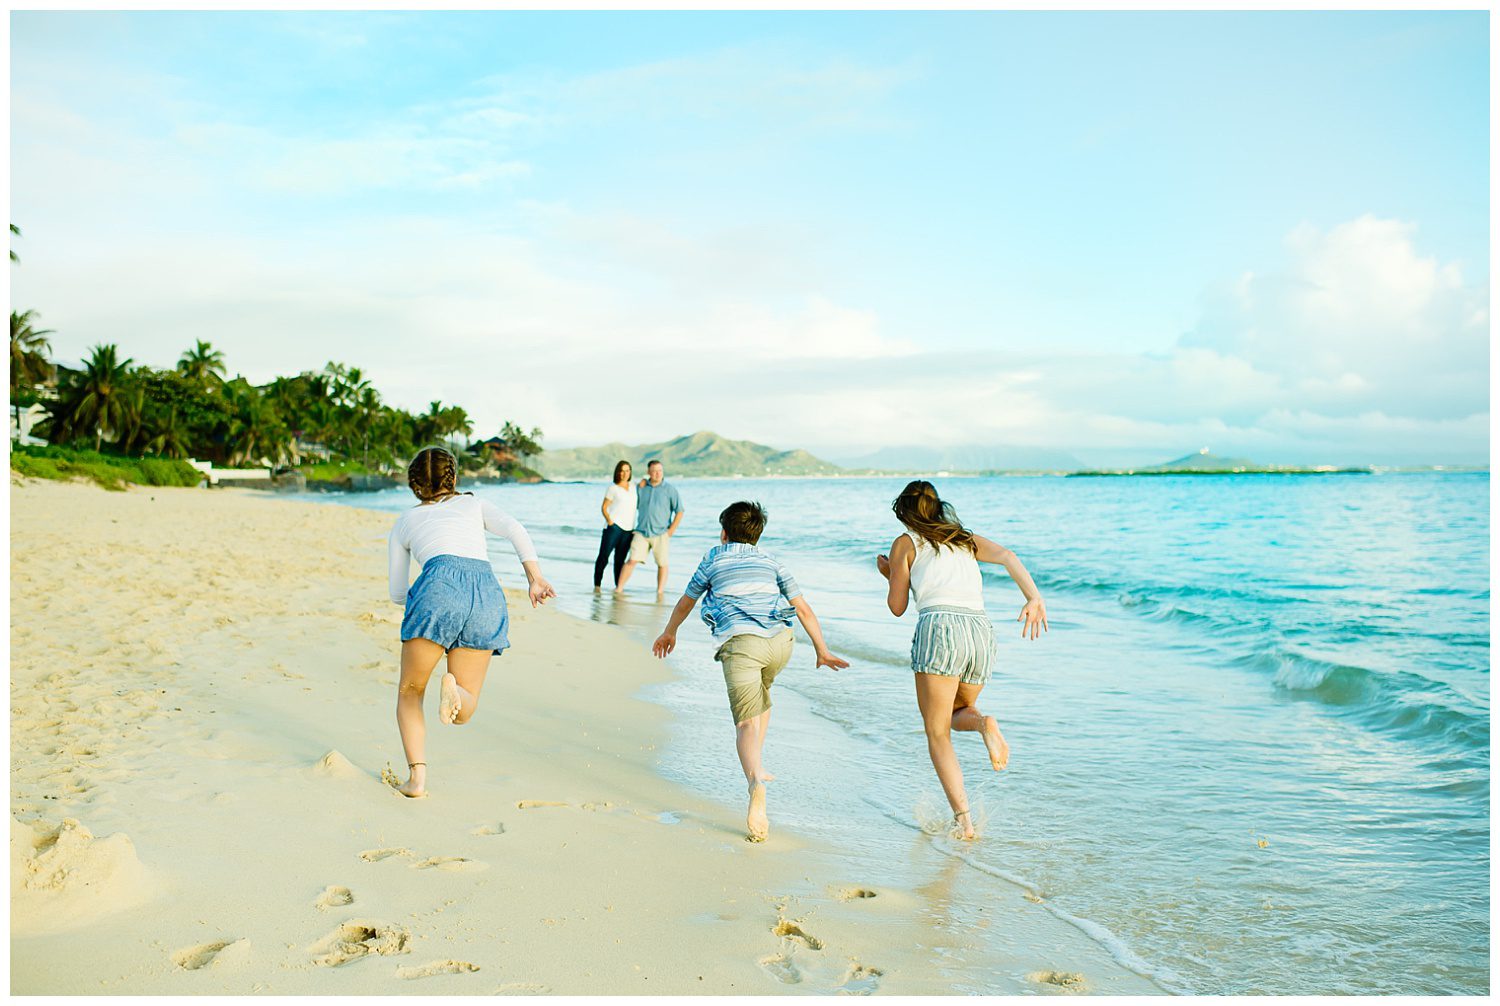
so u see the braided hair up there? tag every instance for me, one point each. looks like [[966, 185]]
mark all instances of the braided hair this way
[[433, 474]]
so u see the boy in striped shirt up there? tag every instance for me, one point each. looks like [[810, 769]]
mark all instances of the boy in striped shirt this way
[[749, 600]]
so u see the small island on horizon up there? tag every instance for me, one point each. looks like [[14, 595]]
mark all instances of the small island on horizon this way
[[1202, 462]]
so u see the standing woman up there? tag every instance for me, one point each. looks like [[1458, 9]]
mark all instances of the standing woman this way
[[936, 562], [456, 606], [619, 522]]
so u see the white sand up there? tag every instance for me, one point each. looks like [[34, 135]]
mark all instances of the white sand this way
[[202, 700]]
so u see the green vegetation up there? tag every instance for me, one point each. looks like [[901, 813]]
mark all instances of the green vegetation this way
[[112, 471], [701, 454], [330, 423], [332, 471]]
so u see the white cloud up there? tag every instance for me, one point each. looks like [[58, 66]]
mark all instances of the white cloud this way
[[1358, 321]]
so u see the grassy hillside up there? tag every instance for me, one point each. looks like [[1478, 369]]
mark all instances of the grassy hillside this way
[[112, 471], [702, 454]]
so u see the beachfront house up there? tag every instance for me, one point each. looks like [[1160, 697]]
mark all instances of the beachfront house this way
[[494, 450]]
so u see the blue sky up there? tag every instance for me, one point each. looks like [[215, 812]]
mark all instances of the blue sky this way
[[1113, 234]]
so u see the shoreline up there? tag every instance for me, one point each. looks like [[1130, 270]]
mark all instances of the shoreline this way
[[219, 728]]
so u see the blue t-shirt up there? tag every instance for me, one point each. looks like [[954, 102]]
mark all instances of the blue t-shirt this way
[[745, 589], [655, 508]]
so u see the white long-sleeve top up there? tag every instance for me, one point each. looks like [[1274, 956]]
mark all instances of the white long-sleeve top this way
[[454, 526]]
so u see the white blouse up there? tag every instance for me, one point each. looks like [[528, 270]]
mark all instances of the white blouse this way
[[621, 505], [454, 526]]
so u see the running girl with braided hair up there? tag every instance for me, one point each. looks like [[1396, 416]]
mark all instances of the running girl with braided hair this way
[[456, 606], [936, 564]]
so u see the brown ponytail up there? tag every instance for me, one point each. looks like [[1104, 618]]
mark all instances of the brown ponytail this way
[[919, 508], [433, 475]]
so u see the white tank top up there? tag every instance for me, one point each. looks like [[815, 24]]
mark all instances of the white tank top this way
[[945, 575]]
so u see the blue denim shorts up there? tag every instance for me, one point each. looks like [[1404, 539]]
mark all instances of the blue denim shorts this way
[[457, 602]]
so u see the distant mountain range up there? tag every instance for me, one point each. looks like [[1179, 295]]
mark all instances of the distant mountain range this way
[[707, 454], [697, 454]]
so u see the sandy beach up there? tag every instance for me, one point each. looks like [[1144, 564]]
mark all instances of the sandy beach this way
[[202, 701]]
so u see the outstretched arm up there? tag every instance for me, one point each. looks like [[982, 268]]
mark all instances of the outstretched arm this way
[[497, 521], [897, 569], [667, 641], [815, 633], [1034, 613]]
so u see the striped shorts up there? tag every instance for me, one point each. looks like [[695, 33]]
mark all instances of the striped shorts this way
[[955, 642]]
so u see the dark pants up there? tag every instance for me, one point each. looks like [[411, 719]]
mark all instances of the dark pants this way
[[614, 539]]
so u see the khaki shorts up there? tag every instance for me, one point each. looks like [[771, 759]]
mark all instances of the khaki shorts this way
[[751, 664], [656, 544]]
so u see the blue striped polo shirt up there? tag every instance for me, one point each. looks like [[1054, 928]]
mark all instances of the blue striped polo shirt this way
[[745, 588]]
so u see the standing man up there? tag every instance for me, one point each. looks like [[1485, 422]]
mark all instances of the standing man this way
[[658, 511]]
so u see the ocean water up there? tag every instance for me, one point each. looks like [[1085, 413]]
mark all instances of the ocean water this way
[[1251, 756]]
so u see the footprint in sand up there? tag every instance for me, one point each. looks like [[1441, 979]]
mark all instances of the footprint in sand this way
[[523, 989], [359, 938], [451, 863], [334, 896], [855, 893], [861, 980], [489, 829], [1066, 981], [781, 968], [534, 804], [376, 855], [791, 931], [221, 953], [436, 968]]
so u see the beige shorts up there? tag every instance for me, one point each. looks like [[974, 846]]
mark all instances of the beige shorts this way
[[751, 664], [656, 544]]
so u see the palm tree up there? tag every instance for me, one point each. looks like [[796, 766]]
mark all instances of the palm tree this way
[[201, 363], [95, 401], [132, 412], [29, 365], [168, 437], [353, 386], [254, 426], [367, 410], [458, 421], [17, 232]]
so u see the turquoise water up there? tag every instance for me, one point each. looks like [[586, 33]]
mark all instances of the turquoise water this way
[[1251, 756]]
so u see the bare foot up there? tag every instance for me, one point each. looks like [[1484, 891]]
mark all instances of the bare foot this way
[[756, 822], [451, 702], [412, 787], [963, 827], [995, 742]]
